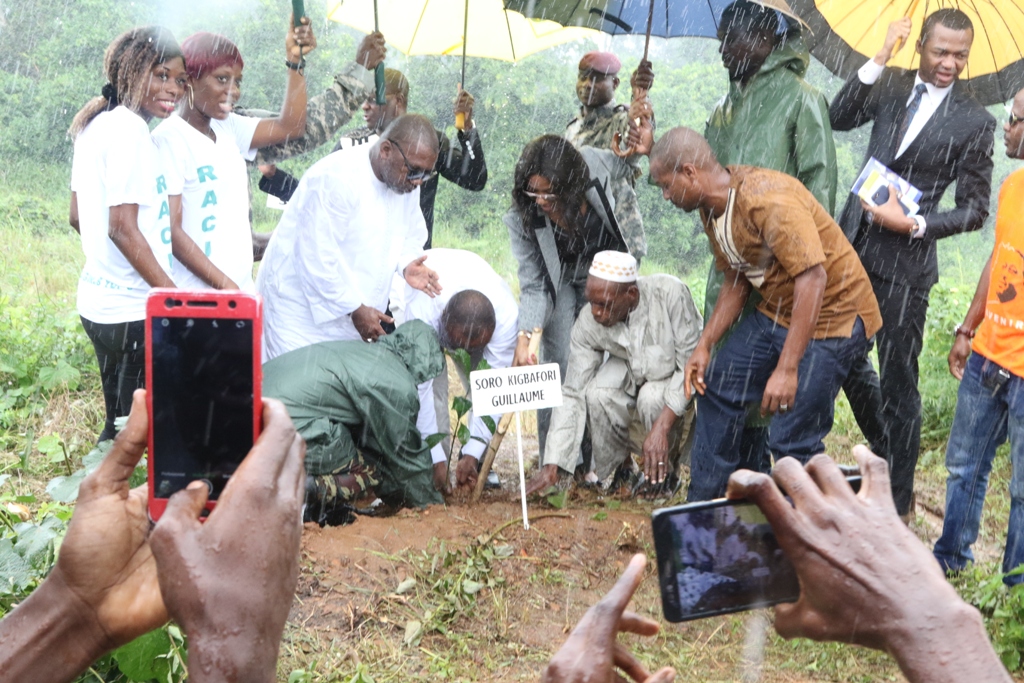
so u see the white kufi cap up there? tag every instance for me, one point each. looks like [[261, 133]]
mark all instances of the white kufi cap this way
[[614, 266]]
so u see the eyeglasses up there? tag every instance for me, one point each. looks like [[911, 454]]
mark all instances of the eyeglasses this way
[[1013, 117], [544, 196], [413, 174]]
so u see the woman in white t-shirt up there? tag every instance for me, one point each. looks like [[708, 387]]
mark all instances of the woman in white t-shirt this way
[[204, 148], [119, 206]]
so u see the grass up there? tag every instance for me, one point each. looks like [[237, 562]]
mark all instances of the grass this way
[[482, 635]]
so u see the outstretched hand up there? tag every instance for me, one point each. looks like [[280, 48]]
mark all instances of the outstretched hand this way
[[592, 654], [229, 582], [421, 277]]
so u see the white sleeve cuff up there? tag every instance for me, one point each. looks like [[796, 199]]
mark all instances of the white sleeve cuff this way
[[437, 454], [922, 225], [869, 73], [474, 448]]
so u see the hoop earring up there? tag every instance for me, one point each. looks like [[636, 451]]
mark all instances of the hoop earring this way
[[191, 97]]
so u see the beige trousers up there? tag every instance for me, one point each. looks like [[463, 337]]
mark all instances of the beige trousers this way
[[620, 417]]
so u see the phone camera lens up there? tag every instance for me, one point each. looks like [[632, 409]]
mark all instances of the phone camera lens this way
[[169, 302], [232, 304], [164, 322]]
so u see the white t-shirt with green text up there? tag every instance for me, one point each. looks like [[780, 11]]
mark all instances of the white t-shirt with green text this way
[[213, 183], [115, 163]]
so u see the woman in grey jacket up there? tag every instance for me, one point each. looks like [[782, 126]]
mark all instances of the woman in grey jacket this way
[[567, 205]]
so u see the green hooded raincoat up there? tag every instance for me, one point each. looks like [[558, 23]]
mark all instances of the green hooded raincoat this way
[[349, 394], [778, 121]]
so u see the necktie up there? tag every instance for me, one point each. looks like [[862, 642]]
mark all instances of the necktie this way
[[908, 116]]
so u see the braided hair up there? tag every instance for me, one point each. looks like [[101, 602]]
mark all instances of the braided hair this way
[[127, 63]]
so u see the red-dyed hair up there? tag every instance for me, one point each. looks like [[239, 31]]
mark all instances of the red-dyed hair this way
[[206, 51]]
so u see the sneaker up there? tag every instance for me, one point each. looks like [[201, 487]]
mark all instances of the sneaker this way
[[492, 481]]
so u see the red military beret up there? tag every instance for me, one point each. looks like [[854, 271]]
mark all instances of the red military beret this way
[[601, 62]]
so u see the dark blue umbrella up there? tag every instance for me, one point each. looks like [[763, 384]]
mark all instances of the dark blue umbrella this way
[[668, 18]]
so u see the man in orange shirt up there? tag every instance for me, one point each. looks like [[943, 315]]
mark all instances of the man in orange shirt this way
[[990, 402]]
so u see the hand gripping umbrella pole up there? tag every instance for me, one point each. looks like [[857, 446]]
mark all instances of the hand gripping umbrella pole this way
[[639, 94]]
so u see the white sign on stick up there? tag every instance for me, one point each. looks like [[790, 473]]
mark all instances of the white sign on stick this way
[[504, 390], [517, 389]]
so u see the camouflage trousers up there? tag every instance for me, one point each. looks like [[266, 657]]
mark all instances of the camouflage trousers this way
[[329, 496]]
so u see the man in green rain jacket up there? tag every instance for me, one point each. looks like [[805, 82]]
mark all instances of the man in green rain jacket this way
[[355, 404], [771, 118]]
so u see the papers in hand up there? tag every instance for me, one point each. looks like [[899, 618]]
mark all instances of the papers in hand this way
[[275, 203], [875, 181]]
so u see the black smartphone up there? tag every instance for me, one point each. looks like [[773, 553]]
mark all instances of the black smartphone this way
[[204, 379], [721, 556], [717, 557]]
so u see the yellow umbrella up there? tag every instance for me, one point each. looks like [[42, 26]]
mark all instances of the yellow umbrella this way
[[846, 33], [437, 27]]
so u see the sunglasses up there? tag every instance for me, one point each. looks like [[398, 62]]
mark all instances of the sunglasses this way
[[545, 196], [1015, 119], [413, 174]]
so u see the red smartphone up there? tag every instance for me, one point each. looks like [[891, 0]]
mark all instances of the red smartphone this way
[[203, 380]]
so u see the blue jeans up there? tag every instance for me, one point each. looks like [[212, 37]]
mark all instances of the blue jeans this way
[[985, 415], [737, 375]]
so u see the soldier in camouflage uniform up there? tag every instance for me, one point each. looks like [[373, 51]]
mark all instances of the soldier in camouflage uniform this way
[[356, 404], [325, 114], [600, 118]]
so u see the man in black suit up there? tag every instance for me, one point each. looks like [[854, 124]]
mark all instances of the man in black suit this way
[[932, 132]]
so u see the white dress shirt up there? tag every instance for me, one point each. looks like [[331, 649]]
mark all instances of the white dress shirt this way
[[458, 271], [930, 101], [343, 236]]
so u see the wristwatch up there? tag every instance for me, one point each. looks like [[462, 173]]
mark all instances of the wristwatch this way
[[960, 329]]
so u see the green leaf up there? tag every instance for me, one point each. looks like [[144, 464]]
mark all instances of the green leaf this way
[[483, 365], [504, 550], [471, 587], [600, 516], [145, 658], [462, 359], [435, 439], [62, 373], [413, 633], [461, 405], [300, 676], [50, 445], [463, 434], [558, 500], [35, 541], [405, 586], [15, 571], [65, 489], [489, 421]]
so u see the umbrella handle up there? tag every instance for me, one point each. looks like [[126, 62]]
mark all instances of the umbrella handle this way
[[378, 73], [378, 81]]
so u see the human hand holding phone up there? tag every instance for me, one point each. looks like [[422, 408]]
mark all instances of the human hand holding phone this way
[[229, 582], [865, 578]]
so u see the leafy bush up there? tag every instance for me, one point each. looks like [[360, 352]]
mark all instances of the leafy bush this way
[[1002, 607]]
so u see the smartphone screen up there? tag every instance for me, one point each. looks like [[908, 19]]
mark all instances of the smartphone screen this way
[[202, 398], [719, 557]]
